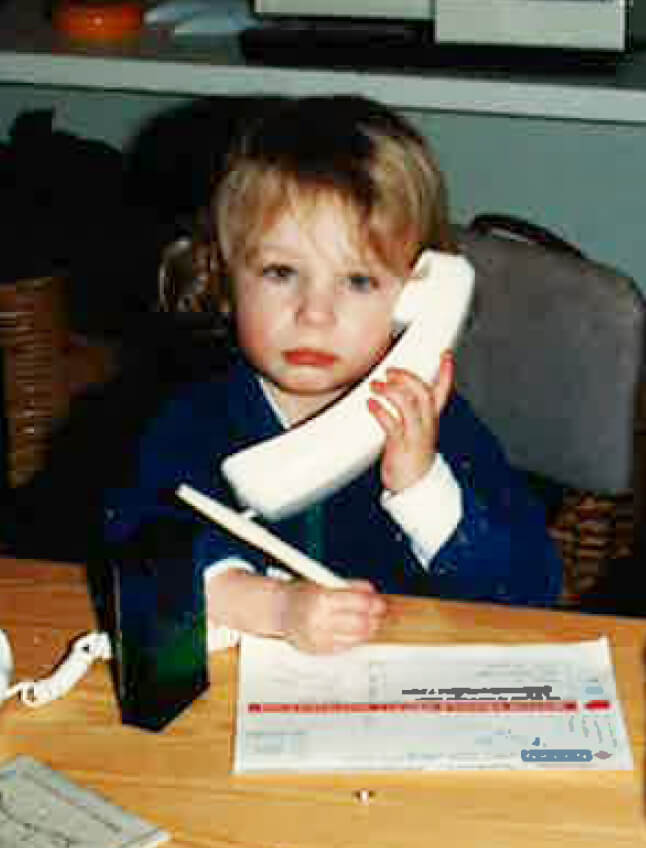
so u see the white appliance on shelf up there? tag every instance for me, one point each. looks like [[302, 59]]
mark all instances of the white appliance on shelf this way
[[580, 24]]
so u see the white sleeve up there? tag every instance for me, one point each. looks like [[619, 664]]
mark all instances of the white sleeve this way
[[428, 511]]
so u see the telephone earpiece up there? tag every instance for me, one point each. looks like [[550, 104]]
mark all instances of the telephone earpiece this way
[[287, 473]]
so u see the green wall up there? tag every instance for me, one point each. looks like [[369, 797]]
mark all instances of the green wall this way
[[585, 181]]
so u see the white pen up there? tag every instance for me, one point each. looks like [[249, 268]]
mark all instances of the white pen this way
[[245, 528]]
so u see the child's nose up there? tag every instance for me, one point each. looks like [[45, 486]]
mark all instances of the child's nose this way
[[317, 304]]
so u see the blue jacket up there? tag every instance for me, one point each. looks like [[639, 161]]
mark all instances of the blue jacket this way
[[500, 550]]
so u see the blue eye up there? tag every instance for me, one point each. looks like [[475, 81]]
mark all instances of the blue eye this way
[[278, 273], [363, 282]]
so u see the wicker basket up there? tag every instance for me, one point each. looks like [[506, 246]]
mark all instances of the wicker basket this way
[[595, 533], [44, 367], [590, 532], [33, 333]]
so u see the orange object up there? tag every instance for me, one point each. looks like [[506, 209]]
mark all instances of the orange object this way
[[98, 22]]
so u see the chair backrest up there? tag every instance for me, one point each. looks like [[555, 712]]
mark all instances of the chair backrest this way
[[552, 361]]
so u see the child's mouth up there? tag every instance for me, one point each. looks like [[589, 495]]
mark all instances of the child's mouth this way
[[308, 356]]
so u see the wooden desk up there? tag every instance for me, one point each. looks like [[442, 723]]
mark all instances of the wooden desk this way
[[180, 778]]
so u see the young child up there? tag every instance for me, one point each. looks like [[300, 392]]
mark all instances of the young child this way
[[324, 207]]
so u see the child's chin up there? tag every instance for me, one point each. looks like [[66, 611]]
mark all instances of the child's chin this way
[[312, 384], [313, 388]]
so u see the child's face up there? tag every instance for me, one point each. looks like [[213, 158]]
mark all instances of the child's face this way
[[313, 312]]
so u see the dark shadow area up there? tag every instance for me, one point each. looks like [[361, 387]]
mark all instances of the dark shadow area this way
[[620, 591], [67, 214], [100, 218], [173, 163], [380, 44], [58, 514]]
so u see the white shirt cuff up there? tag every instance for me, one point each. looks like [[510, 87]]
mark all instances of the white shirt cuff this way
[[428, 511], [221, 637]]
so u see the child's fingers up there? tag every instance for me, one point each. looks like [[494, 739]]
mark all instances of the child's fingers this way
[[354, 629], [390, 423], [360, 598], [409, 393], [410, 397], [353, 615], [415, 399], [443, 383], [322, 620], [400, 403], [412, 430]]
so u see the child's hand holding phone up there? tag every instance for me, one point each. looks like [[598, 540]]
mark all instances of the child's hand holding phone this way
[[411, 421]]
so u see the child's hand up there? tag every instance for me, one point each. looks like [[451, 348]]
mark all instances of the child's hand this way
[[325, 621], [411, 436]]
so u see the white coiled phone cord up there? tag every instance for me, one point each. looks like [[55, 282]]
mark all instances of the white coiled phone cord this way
[[85, 650]]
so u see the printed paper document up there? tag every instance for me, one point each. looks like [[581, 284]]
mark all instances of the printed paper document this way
[[399, 707]]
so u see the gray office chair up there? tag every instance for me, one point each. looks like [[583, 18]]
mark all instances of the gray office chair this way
[[552, 361]]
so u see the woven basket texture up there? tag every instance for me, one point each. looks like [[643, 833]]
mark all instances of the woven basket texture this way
[[591, 532], [33, 333]]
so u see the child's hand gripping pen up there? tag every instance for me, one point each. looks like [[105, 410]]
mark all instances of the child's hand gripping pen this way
[[314, 619]]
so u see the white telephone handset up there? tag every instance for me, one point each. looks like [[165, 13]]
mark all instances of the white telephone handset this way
[[283, 475]]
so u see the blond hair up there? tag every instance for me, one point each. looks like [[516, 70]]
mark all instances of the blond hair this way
[[349, 149]]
